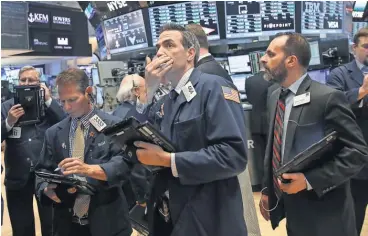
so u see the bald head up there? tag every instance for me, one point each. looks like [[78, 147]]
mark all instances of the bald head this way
[[131, 88]]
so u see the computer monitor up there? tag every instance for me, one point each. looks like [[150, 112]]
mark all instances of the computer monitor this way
[[319, 75], [360, 11], [126, 32], [95, 76], [101, 42], [315, 53], [322, 17], [203, 13], [258, 18], [239, 64]]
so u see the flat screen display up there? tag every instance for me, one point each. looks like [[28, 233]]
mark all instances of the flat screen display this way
[[126, 32], [315, 54], [322, 17], [319, 75], [203, 13], [360, 11], [239, 64], [101, 42], [95, 76], [89, 11], [254, 19]]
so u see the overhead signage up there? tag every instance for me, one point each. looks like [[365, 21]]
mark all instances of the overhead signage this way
[[115, 5], [61, 21], [38, 18], [40, 42], [62, 43]]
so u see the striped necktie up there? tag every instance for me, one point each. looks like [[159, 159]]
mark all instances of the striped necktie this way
[[81, 203], [277, 139]]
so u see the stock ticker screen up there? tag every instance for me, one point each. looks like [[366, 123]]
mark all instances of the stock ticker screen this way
[[252, 19], [203, 13], [322, 17], [126, 32]]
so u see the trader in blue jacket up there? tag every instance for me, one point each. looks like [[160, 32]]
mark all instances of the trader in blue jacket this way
[[198, 194], [77, 146]]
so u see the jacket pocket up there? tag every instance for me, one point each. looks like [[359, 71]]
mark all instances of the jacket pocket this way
[[190, 131]]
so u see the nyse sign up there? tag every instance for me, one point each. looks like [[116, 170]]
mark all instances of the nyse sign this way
[[115, 5]]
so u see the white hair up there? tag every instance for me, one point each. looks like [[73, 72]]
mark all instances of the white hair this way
[[125, 92]]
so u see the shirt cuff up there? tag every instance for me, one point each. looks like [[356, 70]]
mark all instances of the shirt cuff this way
[[48, 102], [309, 187], [361, 103], [173, 166], [8, 127]]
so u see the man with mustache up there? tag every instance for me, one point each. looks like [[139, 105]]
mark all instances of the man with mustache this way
[[318, 201], [352, 79]]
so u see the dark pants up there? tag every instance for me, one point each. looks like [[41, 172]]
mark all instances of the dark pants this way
[[79, 230], [359, 190], [20, 207]]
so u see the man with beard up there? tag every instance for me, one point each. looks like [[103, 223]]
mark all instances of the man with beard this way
[[318, 201], [352, 79]]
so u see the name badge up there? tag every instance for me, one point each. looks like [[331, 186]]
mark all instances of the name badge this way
[[301, 99], [97, 122], [101, 144], [16, 132], [189, 91]]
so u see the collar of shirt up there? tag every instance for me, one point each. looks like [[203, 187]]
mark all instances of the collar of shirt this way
[[183, 81], [360, 65], [295, 86], [84, 119], [203, 56]]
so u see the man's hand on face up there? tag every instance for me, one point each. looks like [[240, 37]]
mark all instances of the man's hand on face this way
[[14, 114], [156, 70]]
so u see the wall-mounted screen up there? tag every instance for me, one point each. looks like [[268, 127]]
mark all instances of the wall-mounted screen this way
[[254, 19], [203, 13], [360, 11], [126, 32], [315, 54], [239, 64], [322, 17], [101, 42]]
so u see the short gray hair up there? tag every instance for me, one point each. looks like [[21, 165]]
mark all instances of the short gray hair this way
[[189, 39], [125, 92], [73, 76], [27, 68]]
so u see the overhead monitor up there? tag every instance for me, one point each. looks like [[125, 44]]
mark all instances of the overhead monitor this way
[[203, 13], [101, 42], [239, 64], [315, 53], [89, 11], [360, 11], [254, 19], [322, 17], [126, 32]]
